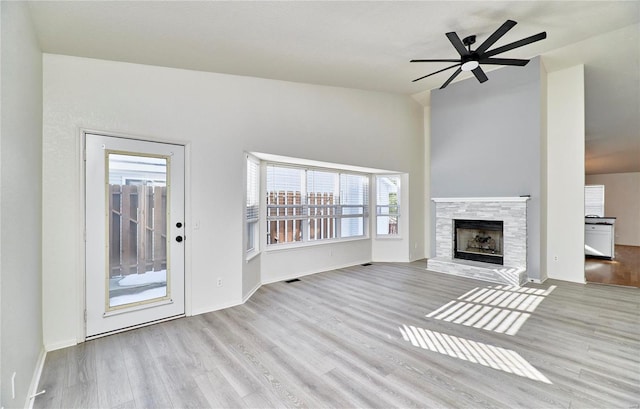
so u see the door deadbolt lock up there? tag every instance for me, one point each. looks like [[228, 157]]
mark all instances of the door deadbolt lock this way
[[179, 224], [179, 239]]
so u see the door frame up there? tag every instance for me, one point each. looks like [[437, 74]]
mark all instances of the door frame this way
[[81, 331]]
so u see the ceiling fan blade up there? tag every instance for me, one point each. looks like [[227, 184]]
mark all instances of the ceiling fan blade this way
[[480, 75], [457, 43], [455, 74], [516, 44], [504, 61], [502, 30], [442, 60], [436, 72]]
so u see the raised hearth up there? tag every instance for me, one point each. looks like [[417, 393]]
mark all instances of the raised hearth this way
[[493, 246]]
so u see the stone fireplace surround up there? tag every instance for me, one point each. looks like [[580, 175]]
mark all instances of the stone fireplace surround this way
[[511, 210]]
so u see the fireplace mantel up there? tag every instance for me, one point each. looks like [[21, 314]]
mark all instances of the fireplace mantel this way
[[480, 199]]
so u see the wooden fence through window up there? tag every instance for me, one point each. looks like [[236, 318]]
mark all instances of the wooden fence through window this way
[[288, 205], [323, 225], [137, 229]]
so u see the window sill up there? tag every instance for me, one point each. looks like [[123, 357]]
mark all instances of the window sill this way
[[250, 256], [298, 246], [389, 237]]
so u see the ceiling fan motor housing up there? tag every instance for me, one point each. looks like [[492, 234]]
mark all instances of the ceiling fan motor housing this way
[[470, 62], [469, 40]]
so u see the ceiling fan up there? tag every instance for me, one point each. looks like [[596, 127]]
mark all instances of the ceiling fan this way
[[470, 60]]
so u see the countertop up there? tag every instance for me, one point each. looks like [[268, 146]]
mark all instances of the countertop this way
[[600, 220]]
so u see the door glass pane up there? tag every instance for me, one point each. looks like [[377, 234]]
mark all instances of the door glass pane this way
[[137, 236]]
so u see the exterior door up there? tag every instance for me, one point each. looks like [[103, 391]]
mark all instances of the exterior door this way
[[134, 222]]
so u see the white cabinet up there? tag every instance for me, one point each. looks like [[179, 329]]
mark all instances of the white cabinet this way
[[599, 240]]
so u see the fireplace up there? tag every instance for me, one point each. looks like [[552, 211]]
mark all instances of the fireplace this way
[[479, 240], [490, 230]]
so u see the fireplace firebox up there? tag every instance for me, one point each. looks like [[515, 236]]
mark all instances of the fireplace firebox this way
[[479, 240]]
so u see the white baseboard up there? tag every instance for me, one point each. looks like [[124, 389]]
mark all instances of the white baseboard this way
[[270, 281], [35, 380], [61, 344], [399, 260], [219, 307], [306, 273], [213, 308], [253, 290], [536, 280]]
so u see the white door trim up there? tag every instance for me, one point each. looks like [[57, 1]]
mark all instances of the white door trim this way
[[81, 234]]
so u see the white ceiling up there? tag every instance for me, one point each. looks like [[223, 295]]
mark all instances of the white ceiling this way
[[367, 45]]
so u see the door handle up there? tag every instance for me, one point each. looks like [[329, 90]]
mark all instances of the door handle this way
[[179, 239]]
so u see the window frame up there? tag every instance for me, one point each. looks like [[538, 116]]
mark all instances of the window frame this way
[[397, 214], [594, 200], [252, 218], [306, 216]]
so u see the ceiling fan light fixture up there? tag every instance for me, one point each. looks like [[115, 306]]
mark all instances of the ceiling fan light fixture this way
[[470, 65]]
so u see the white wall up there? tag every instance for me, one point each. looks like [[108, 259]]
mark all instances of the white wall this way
[[221, 117], [418, 185], [621, 200], [565, 174], [278, 265], [21, 205], [543, 173], [426, 199]]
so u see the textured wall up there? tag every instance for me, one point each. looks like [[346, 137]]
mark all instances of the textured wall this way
[[220, 117], [21, 205]]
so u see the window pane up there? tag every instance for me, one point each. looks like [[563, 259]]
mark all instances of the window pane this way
[[284, 178], [137, 229], [353, 189], [285, 211], [594, 200], [354, 194], [352, 227], [322, 182], [321, 201], [253, 190], [311, 204], [352, 210], [251, 235], [253, 203], [387, 204]]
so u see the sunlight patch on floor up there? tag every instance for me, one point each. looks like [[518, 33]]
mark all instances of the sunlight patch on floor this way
[[502, 309], [490, 356]]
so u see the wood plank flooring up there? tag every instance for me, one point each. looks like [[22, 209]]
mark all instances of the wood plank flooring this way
[[624, 269], [334, 339]]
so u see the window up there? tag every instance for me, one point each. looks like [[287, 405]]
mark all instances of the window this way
[[309, 205], [253, 204], [387, 205], [285, 211], [322, 202], [594, 200], [354, 196]]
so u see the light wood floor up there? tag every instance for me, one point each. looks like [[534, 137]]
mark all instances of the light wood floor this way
[[334, 339], [624, 269]]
